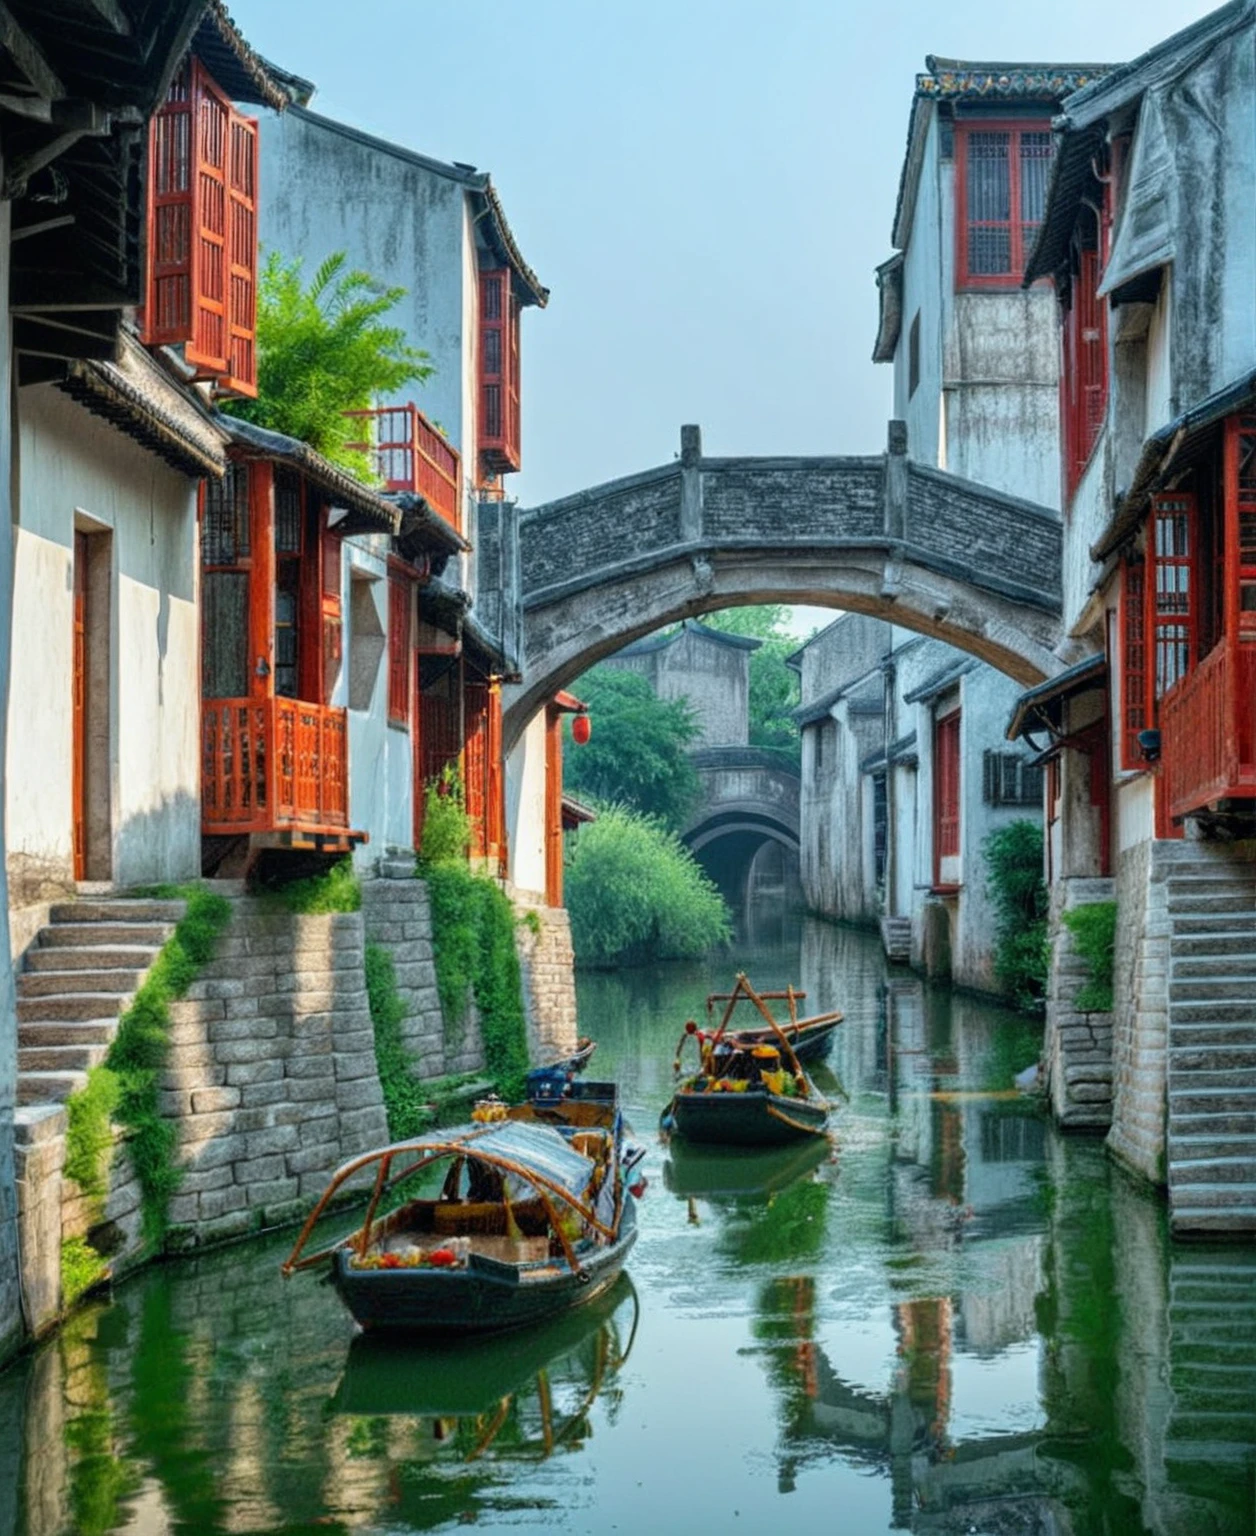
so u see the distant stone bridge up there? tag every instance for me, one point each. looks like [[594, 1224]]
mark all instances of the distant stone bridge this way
[[881, 535], [744, 789]]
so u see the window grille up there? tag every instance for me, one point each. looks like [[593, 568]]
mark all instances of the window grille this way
[[1010, 779]]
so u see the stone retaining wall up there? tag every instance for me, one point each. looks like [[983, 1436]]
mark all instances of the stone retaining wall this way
[[1078, 1044], [1141, 1019], [549, 983]]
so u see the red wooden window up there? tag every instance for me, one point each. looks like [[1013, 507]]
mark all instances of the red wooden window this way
[[1173, 600], [398, 650], [1243, 431], [1134, 671], [946, 785], [475, 772], [1001, 187], [1083, 371], [202, 231], [499, 373]]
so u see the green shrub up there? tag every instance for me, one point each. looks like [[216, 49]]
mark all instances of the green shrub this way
[[405, 1100], [1093, 926], [334, 890], [635, 892], [81, 1268], [125, 1087], [1014, 882], [446, 825]]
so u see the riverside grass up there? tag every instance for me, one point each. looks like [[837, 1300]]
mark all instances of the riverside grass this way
[[1093, 926], [123, 1090], [473, 940]]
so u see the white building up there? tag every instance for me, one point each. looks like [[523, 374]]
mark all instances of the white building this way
[[1149, 243]]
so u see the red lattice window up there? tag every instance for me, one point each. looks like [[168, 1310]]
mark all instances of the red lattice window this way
[[398, 650], [1134, 671], [499, 373], [946, 792], [1174, 605], [202, 231], [1083, 371], [1001, 187], [1244, 432]]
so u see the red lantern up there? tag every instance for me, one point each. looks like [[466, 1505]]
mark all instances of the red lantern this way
[[581, 729]]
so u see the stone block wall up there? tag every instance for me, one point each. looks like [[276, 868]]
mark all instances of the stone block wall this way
[[549, 983], [1141, 1017], [271, 1077], [398, 916], [1078, 1044]]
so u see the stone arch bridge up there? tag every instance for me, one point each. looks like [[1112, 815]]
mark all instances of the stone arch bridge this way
[[744, 790], [882, 535]]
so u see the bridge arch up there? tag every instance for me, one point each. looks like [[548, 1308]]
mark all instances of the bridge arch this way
[[882, 535]]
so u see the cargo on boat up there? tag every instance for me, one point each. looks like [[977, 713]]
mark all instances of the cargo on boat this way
[[746, 1092], [534, 1215]]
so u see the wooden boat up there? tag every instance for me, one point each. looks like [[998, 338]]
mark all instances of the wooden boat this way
[[811, 1038], [744, 1094], [534, 1216]]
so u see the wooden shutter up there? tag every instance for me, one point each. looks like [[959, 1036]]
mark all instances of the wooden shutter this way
[[1084, 371], [399, 650], [946, 786], [242, 173], [167, 315], [207, 345], [499, 373], [1134, 673], [475, 763]]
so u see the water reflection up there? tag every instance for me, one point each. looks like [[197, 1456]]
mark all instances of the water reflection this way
[[959, 1321]]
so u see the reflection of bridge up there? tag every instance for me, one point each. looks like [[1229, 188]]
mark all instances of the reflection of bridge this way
[[880, 535]]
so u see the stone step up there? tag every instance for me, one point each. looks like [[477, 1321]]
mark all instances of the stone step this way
[[60, 1058], [34, 1123], [1215, 1012], [1186, 1037], [1234, 965], [1218, 1170], [1196, 1080], [1201, 924], [1203, 1221], [81, 935], [49, 1032], [1237, 1194], [1210, 1101], [1219, 1143], [118, 910], [92, 957], [1194, 903], [1209, 1123], [62, 983], [1188, 947], [1214, 989], [1217, 1058], [76, 1005], [48, 1087]]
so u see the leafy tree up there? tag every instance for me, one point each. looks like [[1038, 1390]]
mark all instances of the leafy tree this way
[[636, 755], [325, 350], [636, 893], [1014, 882], [773, 685]]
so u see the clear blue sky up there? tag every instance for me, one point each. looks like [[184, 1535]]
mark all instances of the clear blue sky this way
[[705, 186]]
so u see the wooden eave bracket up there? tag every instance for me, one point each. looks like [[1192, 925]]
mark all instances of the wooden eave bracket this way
[[75, 119], [28, 56]]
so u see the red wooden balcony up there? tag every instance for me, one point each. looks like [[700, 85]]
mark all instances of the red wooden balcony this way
[[411, 455], [1208, 731], [274, 765]]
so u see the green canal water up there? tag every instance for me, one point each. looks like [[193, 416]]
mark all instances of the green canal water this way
[[959, 1322]]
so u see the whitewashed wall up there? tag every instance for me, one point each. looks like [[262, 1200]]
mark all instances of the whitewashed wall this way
[[75, 468], [525, 810]]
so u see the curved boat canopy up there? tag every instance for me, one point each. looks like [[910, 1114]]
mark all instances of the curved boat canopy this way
[[536, 1154]]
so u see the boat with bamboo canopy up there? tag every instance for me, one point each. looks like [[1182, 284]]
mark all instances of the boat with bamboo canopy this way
[[533, 1215], [745, 1092]]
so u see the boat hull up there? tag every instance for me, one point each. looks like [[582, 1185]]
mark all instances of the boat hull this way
[[482, 1297], [752, 1119]]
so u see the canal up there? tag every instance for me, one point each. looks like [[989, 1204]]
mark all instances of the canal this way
[[959, 1322]]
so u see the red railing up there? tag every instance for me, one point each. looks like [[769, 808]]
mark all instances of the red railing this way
[[272, 765], [1208, 731], [411, 455]]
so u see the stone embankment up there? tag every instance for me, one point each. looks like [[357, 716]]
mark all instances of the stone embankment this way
[[270, 1081]]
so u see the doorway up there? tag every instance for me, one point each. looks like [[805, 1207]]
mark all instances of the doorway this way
[[90, 693]]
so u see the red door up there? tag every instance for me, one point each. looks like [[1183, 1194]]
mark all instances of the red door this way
[[79, 750]]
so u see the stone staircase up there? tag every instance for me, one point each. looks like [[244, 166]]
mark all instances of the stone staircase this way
[[80, 975], [896, 938], [1212, 1038]]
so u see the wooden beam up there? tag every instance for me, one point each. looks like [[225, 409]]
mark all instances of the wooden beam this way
[[28, 57], [43, 227], [112, 14]]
